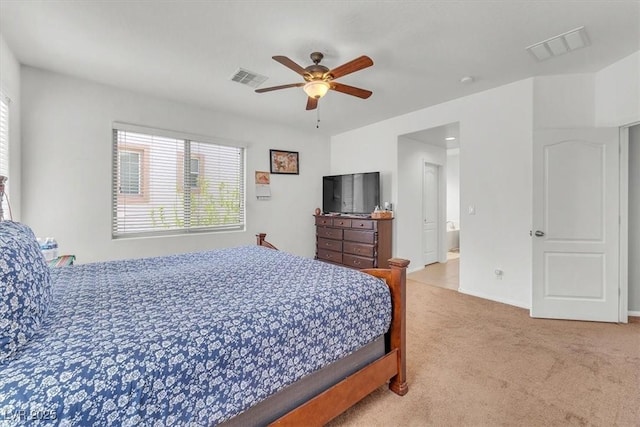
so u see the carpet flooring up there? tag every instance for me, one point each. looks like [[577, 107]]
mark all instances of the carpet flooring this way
[[473, 362]]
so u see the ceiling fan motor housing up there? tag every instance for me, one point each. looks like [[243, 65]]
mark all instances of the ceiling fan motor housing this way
[[316, 71]]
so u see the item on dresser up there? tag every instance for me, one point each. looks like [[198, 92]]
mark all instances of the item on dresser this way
[[353, 241], [382, 214]]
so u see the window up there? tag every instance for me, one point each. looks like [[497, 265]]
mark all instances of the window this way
[[149, 173], [194, 172], [130, 173], [192, 177], [4, 153], [133, 173]]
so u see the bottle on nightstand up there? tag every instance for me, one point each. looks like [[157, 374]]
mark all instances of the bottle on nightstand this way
[[49, 248]]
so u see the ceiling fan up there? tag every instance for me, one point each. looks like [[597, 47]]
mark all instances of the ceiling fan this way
[[320, 79]]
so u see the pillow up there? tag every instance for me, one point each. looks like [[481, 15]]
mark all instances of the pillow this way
[[25, 287]]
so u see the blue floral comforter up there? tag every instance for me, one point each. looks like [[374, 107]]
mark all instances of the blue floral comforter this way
[[189, 339]]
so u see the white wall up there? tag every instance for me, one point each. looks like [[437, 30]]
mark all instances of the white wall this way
[[374, 156], [565, 101], [10, 85], [495, 177], [66, 187], [634, 218], [617, 92], [408, 210], [453, 186]]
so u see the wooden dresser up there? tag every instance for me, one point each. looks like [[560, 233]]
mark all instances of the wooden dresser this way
[[353, 241]]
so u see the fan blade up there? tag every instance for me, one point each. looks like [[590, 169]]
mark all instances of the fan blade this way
[[290, 64], [269, 89], [351, 67], [312, 103], [350, 90]]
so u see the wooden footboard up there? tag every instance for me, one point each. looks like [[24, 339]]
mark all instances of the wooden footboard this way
[[390, 367]]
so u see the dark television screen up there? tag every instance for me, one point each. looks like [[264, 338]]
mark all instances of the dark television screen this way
[[357, 193]]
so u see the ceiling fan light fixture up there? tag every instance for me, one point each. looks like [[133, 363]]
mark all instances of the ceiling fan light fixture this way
[[316, 88]]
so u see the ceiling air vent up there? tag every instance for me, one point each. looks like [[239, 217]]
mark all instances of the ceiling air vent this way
[[248, 78], [560, 44]]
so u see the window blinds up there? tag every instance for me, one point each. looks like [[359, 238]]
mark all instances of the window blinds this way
[[4, 135], [4, 154], [172, 185]]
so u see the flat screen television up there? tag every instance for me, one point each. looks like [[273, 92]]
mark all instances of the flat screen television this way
[[356, 193]]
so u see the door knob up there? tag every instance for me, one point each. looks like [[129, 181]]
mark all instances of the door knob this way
[[539, 233]]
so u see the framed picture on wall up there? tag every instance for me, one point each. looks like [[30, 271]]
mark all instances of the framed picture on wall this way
[[262, 177], [284, 162]]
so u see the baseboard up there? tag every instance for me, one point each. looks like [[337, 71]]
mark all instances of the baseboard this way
[[493, 298], [507, 301]]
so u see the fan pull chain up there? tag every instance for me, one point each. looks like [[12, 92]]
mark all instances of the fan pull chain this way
[[318, 117]]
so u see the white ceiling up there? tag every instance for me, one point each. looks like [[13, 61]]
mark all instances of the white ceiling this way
[[188, 50]]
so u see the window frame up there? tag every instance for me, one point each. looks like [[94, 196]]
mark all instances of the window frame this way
[[188, 139], [143, 195]]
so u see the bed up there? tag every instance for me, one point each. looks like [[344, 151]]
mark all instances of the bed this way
[[231, 336]]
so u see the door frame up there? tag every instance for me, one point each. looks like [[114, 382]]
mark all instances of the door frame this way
[[623, 285], [624, 222]]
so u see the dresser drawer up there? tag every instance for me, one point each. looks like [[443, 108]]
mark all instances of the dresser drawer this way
[[359, 249], [330, 233], [332, 245], [329, 255], [357, 261], [341, 222], [323, 220], [359, 236], [362, 223]]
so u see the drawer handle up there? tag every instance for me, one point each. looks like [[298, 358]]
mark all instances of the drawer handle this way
[[328, 244], [356, 262]]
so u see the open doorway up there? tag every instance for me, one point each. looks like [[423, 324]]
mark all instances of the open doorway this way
[[429, 173], [453, 203]]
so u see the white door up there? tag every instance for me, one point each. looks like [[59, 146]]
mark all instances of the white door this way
[[430, 185], [575, 224]]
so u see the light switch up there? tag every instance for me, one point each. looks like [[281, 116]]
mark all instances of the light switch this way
[[472, 209]]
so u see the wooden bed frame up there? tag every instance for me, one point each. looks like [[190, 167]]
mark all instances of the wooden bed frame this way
[[390, 367]]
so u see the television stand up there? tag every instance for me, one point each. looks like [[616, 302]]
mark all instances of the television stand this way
[[356, 241]]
